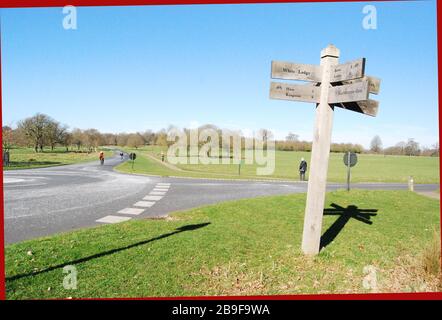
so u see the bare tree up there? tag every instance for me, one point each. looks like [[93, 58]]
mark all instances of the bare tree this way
[[93, 138], [149, 137], [135, 140], [66, 140], [161, 139], [7, 138], [292, 137], [412, 148], [55, 133], [122, 139], [436, 149], [77, 138], [35, 129], [376, 144]]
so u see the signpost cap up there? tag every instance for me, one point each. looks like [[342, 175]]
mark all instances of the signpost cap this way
[[330, 51]]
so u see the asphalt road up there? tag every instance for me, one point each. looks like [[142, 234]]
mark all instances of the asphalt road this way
[[40, 202]]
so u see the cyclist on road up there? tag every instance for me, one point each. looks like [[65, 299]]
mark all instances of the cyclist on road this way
[[101, 157]]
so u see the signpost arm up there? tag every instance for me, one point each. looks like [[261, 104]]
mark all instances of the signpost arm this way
[[317, 181]]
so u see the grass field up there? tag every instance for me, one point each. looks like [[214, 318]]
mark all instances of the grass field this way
[[370, 168], [246, 247], [27, 158]]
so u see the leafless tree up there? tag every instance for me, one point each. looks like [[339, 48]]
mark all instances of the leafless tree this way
[[35, 129], [376, 144]]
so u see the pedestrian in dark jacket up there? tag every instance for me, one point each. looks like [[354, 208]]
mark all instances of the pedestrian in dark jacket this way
[[302, 169]]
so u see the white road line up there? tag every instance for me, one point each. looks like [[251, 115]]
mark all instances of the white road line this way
[[160, 190], [157, 193], [113, 219], [163, 184], [12, 180], [134, 211], [154, 198], [144, 204]]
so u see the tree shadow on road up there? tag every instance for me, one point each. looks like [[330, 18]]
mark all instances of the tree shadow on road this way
[[189, 227], [345, 214]]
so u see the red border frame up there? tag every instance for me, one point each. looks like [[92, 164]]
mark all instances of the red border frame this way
[[61, 3], [80, 3]]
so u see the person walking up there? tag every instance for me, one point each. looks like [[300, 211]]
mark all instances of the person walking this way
[[302, 169], [101, 157]]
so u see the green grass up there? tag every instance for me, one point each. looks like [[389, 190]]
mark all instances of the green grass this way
[[243, 247], [27, 158], [370, 168]]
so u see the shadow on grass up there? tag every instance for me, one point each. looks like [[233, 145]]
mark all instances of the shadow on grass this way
[[189, 227], [345, 214]]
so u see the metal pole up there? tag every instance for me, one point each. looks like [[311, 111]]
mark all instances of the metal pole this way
[[317, 181]]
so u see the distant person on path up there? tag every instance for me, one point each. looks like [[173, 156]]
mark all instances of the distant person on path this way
[[101, 157], [302, 169], [121, 155]]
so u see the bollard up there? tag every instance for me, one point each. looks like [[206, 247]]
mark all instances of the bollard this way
[[410, 183]]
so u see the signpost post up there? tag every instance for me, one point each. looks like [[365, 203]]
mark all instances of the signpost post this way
[[335, 85], [132, 156], [350, 160]]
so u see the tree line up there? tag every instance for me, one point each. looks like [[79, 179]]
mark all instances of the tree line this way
[[403, 148], [41, 131]]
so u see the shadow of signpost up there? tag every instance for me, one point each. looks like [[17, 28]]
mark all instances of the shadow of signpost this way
[[112, 251], [345, 214]]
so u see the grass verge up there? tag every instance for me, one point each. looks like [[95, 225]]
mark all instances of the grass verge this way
[[370, 168], [246, 247], [27, 158]]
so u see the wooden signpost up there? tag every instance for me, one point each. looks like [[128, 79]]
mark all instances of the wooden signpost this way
[[348, 71], [294, 92], [296, 71], [334, 85]]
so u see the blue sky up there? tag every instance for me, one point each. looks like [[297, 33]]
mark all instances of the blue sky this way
[[137, 68]]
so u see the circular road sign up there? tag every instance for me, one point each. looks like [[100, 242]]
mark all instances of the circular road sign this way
[[353, 159], [132, 156]]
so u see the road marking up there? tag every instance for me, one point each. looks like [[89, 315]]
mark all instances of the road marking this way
[[163, 184], [160, 190], [154, 198], [12, 180], [144, 204], [113, 219], [134, 211], [157, 193]]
